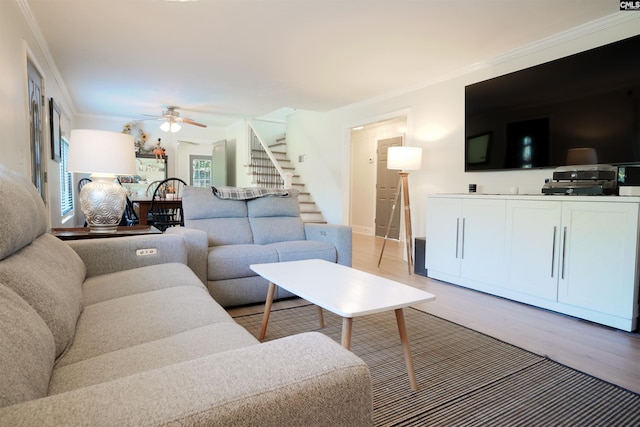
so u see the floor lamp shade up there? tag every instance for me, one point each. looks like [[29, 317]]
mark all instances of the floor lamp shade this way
[[104, 155], [404, 158]]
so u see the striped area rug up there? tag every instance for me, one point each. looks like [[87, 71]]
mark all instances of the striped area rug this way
[[466, 378]]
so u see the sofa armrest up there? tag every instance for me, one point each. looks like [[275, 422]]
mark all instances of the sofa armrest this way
[[339, 235], [108, 255], [197, 243], [304, 380]]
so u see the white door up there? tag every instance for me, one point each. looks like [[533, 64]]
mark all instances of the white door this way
[[533, 251], [598, 270], [219, 163], [442, 248], [386, 192], [483, 240]]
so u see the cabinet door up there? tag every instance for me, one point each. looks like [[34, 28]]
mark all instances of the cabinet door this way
[[483, 234], [533, 238], [598, 271], [442, 246]]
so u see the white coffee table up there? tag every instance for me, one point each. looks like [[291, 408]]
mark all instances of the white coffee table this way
[[344, 291]]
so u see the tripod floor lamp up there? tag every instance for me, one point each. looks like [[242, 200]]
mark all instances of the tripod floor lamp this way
[[403, 159]]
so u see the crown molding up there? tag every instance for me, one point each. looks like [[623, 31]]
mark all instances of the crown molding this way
[[611, 21], [605, 23]]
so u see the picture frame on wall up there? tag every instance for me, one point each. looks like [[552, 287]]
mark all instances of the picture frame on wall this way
[[56, 131]]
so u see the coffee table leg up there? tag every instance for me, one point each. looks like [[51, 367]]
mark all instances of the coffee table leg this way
[[404, 338], [321, 316], [267, 310], [347, 323]]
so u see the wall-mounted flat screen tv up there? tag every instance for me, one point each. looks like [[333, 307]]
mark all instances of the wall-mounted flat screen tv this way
[[544, 116]]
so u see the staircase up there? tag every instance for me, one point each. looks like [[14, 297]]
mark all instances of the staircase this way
[[265, 174]]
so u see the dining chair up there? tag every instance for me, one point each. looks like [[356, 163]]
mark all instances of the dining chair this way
[[129, 216], [151, 188], [166, 204]]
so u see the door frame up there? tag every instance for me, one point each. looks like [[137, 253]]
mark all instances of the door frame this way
[[347, 169]]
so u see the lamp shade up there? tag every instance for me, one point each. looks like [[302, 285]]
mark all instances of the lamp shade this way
[[582, 156], [404, 158], [101, 152]]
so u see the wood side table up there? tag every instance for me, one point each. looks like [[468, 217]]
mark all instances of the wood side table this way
[[84, 233]]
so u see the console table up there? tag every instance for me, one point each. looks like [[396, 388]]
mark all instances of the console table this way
[[84, 233], [576, 255]]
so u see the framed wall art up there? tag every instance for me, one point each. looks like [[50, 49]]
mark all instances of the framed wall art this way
[[56, 131]]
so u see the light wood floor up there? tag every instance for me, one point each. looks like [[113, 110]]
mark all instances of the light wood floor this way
[[606, 353]]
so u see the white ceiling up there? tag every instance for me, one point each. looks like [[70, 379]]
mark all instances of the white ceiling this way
[[222, 59]]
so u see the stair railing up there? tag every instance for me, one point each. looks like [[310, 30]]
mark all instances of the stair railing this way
[[266, 168]]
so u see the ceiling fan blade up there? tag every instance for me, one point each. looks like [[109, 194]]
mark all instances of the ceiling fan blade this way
[[191, 122], [151, 117]]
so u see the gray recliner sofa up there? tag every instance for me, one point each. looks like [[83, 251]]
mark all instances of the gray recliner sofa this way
[[92, 334], [226, 236]]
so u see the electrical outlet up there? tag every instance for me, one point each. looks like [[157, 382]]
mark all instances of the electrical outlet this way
[[145, 252]]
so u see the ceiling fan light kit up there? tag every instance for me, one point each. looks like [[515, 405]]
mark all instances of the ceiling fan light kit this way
[[172, 120], [169, 126]]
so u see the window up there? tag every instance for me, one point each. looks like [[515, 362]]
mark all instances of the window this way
[[200, 171], [66, 180]]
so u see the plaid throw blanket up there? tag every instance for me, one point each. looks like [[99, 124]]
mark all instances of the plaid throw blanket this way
[[238, 193]]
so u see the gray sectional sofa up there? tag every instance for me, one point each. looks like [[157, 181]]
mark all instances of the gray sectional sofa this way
[[226, 236], [92, 334]]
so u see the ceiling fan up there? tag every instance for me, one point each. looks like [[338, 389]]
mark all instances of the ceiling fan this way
[[172, 120]]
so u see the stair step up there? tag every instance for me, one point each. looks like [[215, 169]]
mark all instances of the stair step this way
[[253, 150], [267, 158], [267, 174]]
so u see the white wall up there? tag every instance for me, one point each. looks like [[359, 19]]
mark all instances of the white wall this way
[[17, 42], [435, 123]]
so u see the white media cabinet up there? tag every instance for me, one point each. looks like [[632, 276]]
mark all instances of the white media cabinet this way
[[576, 255]]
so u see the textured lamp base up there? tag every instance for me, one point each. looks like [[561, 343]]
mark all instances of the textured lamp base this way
[[102, 202]]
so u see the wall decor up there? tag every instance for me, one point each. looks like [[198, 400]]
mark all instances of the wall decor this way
[[56, 131], [139, 137]]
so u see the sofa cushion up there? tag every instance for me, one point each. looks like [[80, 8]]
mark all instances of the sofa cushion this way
[[223, 231], [22, 211], [232, 261], [224, 221], [276, 229], [275, 219], [48, 275], [188, 345], [138, 280], [274, 206], [305, 249], [28, 350], [141, 318]]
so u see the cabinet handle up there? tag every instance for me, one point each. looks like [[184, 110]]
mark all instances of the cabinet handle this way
[[564, 248], [457, 235], [553, 249], [464, 220]]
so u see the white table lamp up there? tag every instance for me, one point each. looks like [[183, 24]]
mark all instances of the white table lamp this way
[[403, 159], [104, 155]]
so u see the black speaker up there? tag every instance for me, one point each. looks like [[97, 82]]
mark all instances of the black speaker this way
[[418, 258], [629, 175]]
